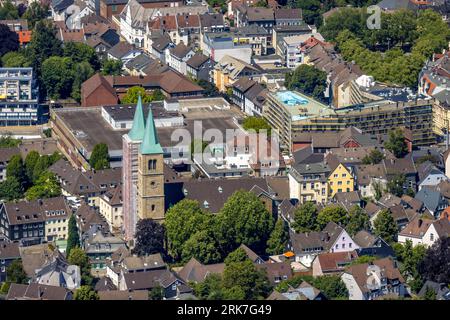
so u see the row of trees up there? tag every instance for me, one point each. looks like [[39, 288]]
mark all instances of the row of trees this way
[[192, 232], [30, 177], [395, 53], [307, 218]]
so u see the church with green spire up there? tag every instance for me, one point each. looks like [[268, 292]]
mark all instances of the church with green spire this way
[[142, 172]]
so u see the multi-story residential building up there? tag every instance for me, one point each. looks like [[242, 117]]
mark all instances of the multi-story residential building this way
[[18, 97], [134, 18], [370, 281], [292, 48], [88, 185], [263, 17], [199, 67], [188, 28], [340, 178], [111, 208], [292, 112], [279, 32], [229, 70], [99, 248], [288, 17], [56, 214], [178, 56], [308, 182], [8, 253], [110, 8], [333, 238], [36, 221]]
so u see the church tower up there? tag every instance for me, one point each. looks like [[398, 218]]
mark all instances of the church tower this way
[[150, 184]]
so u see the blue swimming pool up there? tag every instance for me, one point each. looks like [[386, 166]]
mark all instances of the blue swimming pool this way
[[290, 98]]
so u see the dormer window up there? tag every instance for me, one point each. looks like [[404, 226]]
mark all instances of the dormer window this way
[[206, 204]]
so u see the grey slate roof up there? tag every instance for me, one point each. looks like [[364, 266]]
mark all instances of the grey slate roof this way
[[430, 198]]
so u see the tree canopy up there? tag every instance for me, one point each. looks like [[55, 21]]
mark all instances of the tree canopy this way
[[99, 157], [85, 293], [278, 238], [396, 143], [15, 273], [8, 39], [257, 124], [308, 80], [434, 265], [385, 226], [149, 237], [305, 217]]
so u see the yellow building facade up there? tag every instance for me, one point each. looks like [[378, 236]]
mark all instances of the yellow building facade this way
[[340, 180]]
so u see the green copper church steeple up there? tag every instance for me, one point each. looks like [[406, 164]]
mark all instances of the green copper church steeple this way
[[138, 128], [150, 144]]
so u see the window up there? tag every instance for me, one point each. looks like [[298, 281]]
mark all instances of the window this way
[[350, 245], [431, 237], [337, 246], [343, 246], [153, 207], [114, 8], [151, 164], [344, 175], [336, 175]]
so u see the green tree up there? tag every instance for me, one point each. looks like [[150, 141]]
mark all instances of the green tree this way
[[358, 220], [149, 237], [331, 286], [35, 12], [243, 278], [82, 71], [30, 163], [11, 189], [385, 226], [378, 190], [244, 220], [238, 255], [363, 259], [183, 220], [411, 257], [157, 95], [79, 52], [278, 238], [73, 238], [156, 293], [57, 77], [15, 273], [210, 288], [46, 186], [85, 293], [42, 164], [7, 142], [308, 80], [374, 157], [15, 169], [14, 59], [8, 11], [333, 213], [99, 159], [396, 185], [111, 67], [257, 124], [203, 246], [43, 45], [133, 94], [210, 88], [396, 143], [430, 294], [78, 257], [305, 217], [434, 266]]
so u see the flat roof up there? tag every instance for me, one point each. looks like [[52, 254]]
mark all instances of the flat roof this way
[[90, 128], [299, 105], [125, 112]]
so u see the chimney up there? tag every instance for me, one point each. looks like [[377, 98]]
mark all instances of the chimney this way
[[420, 222]]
